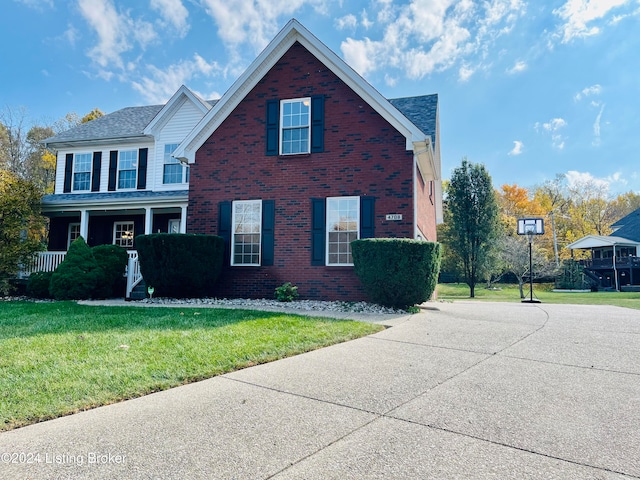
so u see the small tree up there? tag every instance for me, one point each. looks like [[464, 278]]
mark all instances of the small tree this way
[[112, 260], [474, 219], [21, 226]]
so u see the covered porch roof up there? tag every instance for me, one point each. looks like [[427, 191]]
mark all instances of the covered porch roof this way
[[596, 241]]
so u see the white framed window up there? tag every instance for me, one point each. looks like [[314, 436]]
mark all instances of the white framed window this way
[[123, 233], [73, 233], [173, 170], [81, 171], [127, 169], [343, 227], [174, 226], [295, 126], [246, 224]]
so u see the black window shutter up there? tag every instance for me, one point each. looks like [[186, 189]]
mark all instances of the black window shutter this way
[[317, 124], [367, 217], [318, 231], [68, 172], [224, 228], [113, 170], [273, 126], [95, 174], [142, 168], [268, 230]]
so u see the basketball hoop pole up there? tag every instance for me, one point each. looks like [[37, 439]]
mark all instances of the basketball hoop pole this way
[[530, 234], [530, 227]]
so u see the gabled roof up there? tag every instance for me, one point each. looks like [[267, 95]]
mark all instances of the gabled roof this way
[[628, 226], [127, 123], [422, 111], [594, 241], [182, 95], [294, 32]]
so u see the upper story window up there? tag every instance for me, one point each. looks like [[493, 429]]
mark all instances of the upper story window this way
[[343, 227], [295, 125], [246, 232], [173, 170], [127, 169], [81, 171]]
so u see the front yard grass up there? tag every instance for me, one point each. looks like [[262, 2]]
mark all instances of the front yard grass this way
[[542, 292], [60, 358]]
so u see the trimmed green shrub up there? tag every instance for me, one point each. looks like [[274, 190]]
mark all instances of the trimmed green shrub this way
[[286, 292], [180, 265], [397, 273], [38, 284], [78, 275], [112, 259]]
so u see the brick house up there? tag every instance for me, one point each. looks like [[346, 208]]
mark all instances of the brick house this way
[[297, 159], [302, 156]]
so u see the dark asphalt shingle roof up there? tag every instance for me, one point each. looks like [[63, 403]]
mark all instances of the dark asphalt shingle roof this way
[[111, 196], [629, 226], [421, 111]]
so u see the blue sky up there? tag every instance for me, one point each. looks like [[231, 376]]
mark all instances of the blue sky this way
[[528, 88]]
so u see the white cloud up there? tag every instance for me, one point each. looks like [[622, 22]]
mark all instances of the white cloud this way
[[254, 22], [517, 148], [596, 127], [163, 82], [519, 66], [347, 22], [553, 127], [465, 73], [588, 183], [424, 36], [115, 32], [588, 92], [174, 13], [580, 16]]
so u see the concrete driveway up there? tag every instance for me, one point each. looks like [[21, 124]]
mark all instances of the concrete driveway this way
[[462, 390]]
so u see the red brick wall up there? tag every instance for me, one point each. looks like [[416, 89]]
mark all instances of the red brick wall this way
[[363, 155], [426, 208]]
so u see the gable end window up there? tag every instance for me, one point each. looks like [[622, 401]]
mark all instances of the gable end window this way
[[295, 126], [82, 171], [173, 170], [127, 169]]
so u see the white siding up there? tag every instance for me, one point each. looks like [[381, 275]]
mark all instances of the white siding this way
[[104, 165], [174, 131]]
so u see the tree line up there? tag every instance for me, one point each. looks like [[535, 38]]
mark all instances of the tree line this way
[[27, 172], [479, 229]]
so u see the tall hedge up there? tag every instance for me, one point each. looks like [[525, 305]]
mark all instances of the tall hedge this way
[[397, 273], [180, 265], [78, 275], [112, 259]]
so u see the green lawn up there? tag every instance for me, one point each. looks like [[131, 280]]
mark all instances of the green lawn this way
[[542, 292], [59, 358]]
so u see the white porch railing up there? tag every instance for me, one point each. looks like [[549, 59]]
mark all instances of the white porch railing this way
[[49, 261], [134, 277], [43, 262]]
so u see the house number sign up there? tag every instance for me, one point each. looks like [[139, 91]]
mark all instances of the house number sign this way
[[394, 216]]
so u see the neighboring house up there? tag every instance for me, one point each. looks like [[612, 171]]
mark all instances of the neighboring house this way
[[614, 259], [300, 157]]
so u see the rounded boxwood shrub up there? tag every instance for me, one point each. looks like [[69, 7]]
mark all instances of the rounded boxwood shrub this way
[[77, 277], [395, 272], [112, 259], [180, 265], [38, 284]]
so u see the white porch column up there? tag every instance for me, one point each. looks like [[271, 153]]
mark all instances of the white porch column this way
[[148, 220], [84, 225], [183, 219]]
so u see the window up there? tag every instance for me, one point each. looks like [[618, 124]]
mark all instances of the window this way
[[127, 168], [74, 232], [123, 234], [295, 123], [343, 226], [246, 232], [81, 171], [174, 171]]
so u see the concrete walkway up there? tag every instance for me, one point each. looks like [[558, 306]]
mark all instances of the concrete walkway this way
[[470, 390]]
